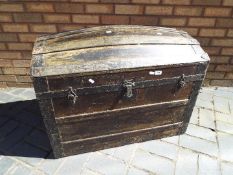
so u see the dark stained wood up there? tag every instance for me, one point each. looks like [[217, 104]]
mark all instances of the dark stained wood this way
[[63, 82], [119, 87], [79, 79], [51, 127], [113, 58], [119, 121], [87, 145], [40, 84], [201, 69], [116, 100]]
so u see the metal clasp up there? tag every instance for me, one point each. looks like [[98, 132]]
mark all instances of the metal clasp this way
[[72, 96], [181, 83], [128, 84]]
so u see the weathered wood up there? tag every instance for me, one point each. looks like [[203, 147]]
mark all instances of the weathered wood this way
[[51, 127], [110, 36], [115, 85], [104, 142], [112, 58], [115, 100], [63, 82], [118, 121], [118, 87], [201, 68]]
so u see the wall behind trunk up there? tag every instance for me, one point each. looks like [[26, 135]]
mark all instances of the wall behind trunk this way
[[210, 21]]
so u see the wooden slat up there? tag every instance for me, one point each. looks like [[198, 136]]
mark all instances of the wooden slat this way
[[112, 58], [110, 36], [118, 121], [104, 142], [75, 81], [115, 100], [114, 87]]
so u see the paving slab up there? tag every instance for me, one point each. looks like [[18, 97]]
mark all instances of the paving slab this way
[[205, 104], [135, 171], [225, 146], [160, 148], [73, 164], [109, 151], [206, 118], [50, 166], [227, 168], [125, 153], [15, 137], [201, 132], [228, 118], [16, 94], [20, 170], [186, 162], [205, 96], [231, 106], [152, 163], [89, 172], [7, 128], [199, 145], [104, 164], [173, 140], [224, 93], [221, 105], [6, 164], [224, 127], [29, 150], [208, 165]]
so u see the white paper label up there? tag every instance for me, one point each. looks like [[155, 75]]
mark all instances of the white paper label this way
[[157, 72], [151, 73], [91, 81]]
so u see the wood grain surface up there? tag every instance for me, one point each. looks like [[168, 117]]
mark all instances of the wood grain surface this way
[[166, 68]]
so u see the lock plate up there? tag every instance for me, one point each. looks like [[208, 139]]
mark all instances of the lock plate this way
[[181, 82], [128, 85], [72, 96]]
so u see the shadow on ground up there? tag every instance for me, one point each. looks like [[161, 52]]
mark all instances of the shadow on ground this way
[[22, 131]]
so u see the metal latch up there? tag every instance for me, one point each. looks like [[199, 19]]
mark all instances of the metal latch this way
[[128, 84], [181, 83], [72, 96]]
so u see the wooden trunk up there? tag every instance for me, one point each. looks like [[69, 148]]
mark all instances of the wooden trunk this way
[[109, 86]]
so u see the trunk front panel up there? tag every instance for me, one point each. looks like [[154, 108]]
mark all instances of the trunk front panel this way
[[118, 121]]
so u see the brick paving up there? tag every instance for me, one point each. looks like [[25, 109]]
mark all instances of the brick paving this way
[[206, 148]]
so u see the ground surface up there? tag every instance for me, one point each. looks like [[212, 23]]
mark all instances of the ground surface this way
[[206, 148]]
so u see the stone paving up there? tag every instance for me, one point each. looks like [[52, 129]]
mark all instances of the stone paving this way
[[206, 148]]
